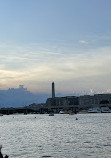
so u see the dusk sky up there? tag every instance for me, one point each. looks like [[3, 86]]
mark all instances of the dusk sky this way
[[65, 41]]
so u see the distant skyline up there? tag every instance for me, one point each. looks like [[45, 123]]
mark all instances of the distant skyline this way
[[65, 41], [20, 96]]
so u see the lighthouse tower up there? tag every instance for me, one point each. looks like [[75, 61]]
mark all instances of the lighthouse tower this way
[[53, 90]]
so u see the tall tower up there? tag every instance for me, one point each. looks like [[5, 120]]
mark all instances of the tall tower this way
[[53, 90]]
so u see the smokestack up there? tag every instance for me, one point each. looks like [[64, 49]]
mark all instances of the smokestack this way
[[53, 90]]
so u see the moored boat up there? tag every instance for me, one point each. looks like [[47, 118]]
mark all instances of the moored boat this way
[[61, 112], [105, 109], [51, 114], [94, 110]]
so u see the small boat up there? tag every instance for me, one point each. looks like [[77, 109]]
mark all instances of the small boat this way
[[51, 114], [94, 110], [61, 112], [105, 110]]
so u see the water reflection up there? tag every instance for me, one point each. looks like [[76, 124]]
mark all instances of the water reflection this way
[[61, 136]]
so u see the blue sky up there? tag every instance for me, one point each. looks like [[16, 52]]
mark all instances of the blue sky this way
[[66, 41]]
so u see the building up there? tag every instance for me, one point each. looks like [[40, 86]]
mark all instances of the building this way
[[80, 102], [99, 100], [63, 103]]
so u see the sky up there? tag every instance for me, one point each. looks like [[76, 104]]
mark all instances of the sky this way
[[65, 41]]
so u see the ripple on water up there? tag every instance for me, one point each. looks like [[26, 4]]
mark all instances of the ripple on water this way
[[97, 146], [106, 145], [57, 137], [88, 142], [46, 156]]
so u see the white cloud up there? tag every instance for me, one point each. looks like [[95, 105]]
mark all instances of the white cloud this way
[[83, 42], [108, 91], [91, 91]]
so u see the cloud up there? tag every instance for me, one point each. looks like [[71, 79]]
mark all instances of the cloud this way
[[35, 65], [91, 91], [83, 42], [108, 91]]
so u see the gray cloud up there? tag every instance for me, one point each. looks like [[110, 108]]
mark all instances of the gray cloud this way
[[36, 64]]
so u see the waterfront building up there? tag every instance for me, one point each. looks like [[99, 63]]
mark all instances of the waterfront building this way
[[80, 102], [97, 100], [64, 103]]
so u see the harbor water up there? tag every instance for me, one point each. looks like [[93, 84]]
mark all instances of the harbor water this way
[[58, 136]]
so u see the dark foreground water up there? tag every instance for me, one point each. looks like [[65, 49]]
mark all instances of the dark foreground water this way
[[59, 136]]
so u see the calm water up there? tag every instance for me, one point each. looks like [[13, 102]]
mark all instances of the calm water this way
[[59, 136]]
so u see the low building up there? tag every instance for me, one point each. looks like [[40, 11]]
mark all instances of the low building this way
[[64, 103], [81, 102], [97, 100]]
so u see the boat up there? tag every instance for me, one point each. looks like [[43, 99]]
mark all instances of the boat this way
[[51, 114], [1, 114], [94, 110], [61, 112], [105, 109]]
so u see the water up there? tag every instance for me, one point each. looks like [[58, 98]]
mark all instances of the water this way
[[59, 136]]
